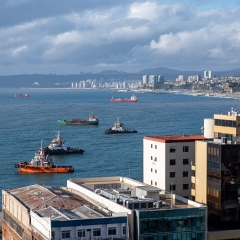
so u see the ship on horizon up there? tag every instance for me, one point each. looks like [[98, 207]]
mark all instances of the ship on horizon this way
[[132, 99], [26, 95]]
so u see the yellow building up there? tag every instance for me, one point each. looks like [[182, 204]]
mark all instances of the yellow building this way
[[216, 173]]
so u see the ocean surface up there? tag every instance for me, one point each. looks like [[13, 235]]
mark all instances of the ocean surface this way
[[25, 122]]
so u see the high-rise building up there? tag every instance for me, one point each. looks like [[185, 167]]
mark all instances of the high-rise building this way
[[152, 80], [216, 178], [208, 74], [160, 79], [167, 162], [145, 79]]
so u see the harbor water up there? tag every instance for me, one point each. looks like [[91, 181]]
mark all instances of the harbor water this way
[[27, 121]]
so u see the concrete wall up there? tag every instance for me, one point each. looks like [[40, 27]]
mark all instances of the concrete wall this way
[[16, 220], [224, 235], [42, 225], [154, 171], [200, 178], [15, 208], [179, 168]]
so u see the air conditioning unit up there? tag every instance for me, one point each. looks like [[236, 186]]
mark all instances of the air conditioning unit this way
[[224, 140]]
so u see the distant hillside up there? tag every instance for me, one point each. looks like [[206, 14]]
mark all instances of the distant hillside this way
[[159, 70], [64, 81]]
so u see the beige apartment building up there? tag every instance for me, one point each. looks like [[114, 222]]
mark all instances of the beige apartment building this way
[[167, 162], [216, 174]]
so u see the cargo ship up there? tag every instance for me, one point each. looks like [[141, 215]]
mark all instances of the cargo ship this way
[[118, 128], [92, 120], [132, 99], [21, 95], [42, 164], [58, 147]]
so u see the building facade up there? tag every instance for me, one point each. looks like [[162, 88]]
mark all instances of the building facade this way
[[152, 213], [167, 162], [216, 180], [41, 213]]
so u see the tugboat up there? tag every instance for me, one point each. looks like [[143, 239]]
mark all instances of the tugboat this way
[[58, 147], [41, 164], [118, 128], [132, 99], [92, 120]]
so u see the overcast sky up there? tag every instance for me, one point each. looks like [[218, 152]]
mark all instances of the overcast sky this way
[[66, 37]]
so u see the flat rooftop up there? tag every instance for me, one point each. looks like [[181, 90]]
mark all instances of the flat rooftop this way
[[113, 187], [176, 138]]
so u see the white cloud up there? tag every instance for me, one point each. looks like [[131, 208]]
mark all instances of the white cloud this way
[[134, 36], [18, 50]]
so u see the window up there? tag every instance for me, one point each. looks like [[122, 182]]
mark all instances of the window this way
[[155, 170], [172, 162], [53, 235], [185, 174], [96, 232], [155, 183], [185, 149], [124, 230], [151, 182], [66, 234], [193, 185], [151, 169], [185, 186], [155, 146], [155, 159], [151, 157], [185, 161], [172, 174], [193, 173], [172, 187], [81, 233], [112, 231], [172, 149], [151, 146]]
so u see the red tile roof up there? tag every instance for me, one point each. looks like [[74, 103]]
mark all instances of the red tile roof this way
[[175, 138]]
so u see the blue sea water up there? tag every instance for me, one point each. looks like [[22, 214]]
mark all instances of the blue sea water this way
[[25, 122]]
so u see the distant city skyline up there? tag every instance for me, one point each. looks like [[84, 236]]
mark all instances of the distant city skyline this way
[[69, 37]]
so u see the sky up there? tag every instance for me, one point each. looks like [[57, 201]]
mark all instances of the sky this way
[[67, 37]]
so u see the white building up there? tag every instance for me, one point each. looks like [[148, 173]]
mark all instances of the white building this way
[[167, 162], [208, 74], [180, 78], [145, 79]]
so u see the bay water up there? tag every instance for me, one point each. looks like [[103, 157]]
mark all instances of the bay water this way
[[26, 121]]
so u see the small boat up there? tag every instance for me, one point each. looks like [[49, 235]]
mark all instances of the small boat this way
[[58, 147], [21, 95], [118, 128], [42, 164], [132, 99], [92, 120]]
